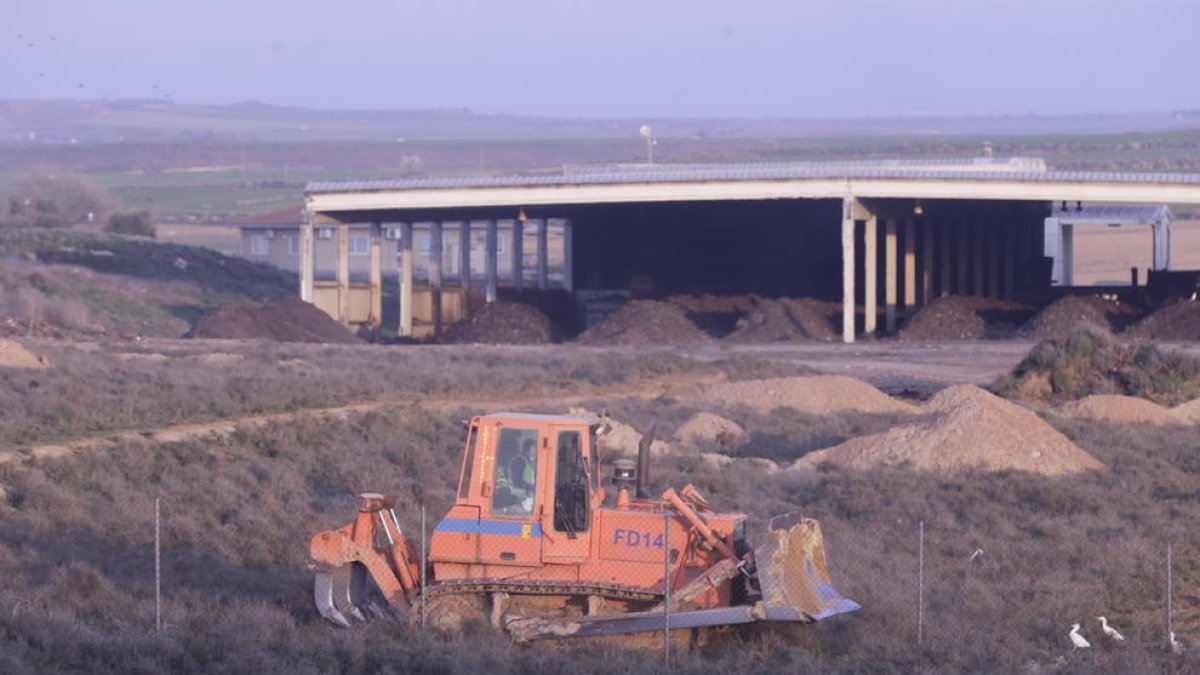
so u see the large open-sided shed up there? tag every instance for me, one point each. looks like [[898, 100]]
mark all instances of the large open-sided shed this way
[[894, 234]]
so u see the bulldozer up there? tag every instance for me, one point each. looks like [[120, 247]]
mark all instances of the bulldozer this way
[[536, 546]]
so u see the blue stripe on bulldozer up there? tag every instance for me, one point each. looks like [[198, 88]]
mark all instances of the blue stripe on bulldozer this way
[[514, 528]]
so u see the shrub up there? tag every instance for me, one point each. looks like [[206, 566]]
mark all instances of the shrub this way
[[136, 223]]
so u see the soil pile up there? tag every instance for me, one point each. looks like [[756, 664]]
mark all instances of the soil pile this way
[[1077, 312], [1085, 363], [1179, 320], [1121, 409], [644, 322], [287, 320], [502, 323], [715, 304], [967, 429], [818, 395], [962, 317], [15, 355], [707, 427], [621, 438], [787, 320], [1188, 413]]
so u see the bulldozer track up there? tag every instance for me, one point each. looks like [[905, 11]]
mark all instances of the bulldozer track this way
[[539, 588]]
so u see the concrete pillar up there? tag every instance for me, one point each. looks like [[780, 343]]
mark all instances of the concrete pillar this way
[[977, 261], [568, 257], [518, 254], [464, 257], [376, 272], [489, 265], [1052, 248], [435, 274], [889, 276], [945, 233], [1162, 243], [406, 280], [307, 258], [1068, 255], [926, 228], [847, 271], [343, 274], [870, 274], [543, 254], [910, 264]]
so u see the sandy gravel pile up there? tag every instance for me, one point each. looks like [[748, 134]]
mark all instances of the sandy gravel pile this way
[[644, 322], [15, 355], [962, 317], [1179, 320], [502, 323], [1121, 409], [816, 395], [1187, 413], [787, 320], [622, 438], [707, 427], [1078, 312], [967, 428], [287, 320]]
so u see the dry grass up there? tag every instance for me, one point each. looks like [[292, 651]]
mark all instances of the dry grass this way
[[76, 533]]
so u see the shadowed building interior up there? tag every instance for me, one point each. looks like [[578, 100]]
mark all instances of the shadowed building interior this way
[[880, 237]]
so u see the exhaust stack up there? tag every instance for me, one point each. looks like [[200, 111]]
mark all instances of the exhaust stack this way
[[643, 477]]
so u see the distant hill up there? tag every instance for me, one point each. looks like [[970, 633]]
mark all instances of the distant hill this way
[[67, 121]]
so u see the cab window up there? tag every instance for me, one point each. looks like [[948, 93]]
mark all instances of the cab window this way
[[571, 504], [515, 475]]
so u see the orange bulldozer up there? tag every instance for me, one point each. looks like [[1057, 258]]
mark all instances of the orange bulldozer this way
[[535, 546]]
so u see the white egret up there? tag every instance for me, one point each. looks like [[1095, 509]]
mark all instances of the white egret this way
[[1109, 630], [978, 552], [1077, 639], [1176, 645]]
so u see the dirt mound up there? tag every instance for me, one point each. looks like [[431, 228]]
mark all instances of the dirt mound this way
[[1187, 412], [1084, 363], [1078, 312], [1122, 409], [707, 427], [967, 428], [787, 320], [715, 304], [621, 438], [15, 355], [644, 322], [287, 320], [818, 395], [502, 323], [1178, 320], [963, 317]]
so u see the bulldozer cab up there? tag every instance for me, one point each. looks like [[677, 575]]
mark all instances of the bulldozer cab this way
[[528, 484]]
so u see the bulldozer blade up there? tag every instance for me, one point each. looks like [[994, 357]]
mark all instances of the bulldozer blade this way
[[792, 577], [346, 579], [323, 595]]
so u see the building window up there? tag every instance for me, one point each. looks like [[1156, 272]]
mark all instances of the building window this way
[[360, 244], [293, 243], [260, 244]]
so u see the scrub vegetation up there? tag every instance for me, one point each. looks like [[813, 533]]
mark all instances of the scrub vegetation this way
[[77, 532]]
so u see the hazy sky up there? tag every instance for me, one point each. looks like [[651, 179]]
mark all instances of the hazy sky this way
[[616, 58]]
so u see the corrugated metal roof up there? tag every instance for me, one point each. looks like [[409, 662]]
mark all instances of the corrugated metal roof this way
[[1111, 213], [686, 173]]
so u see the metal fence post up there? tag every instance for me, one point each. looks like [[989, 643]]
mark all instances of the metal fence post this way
[[157, 568], [423, 565], [667, 591], [921, 586], [1170, 626]]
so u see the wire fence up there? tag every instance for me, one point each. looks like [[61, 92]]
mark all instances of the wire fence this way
[[657, 573]]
